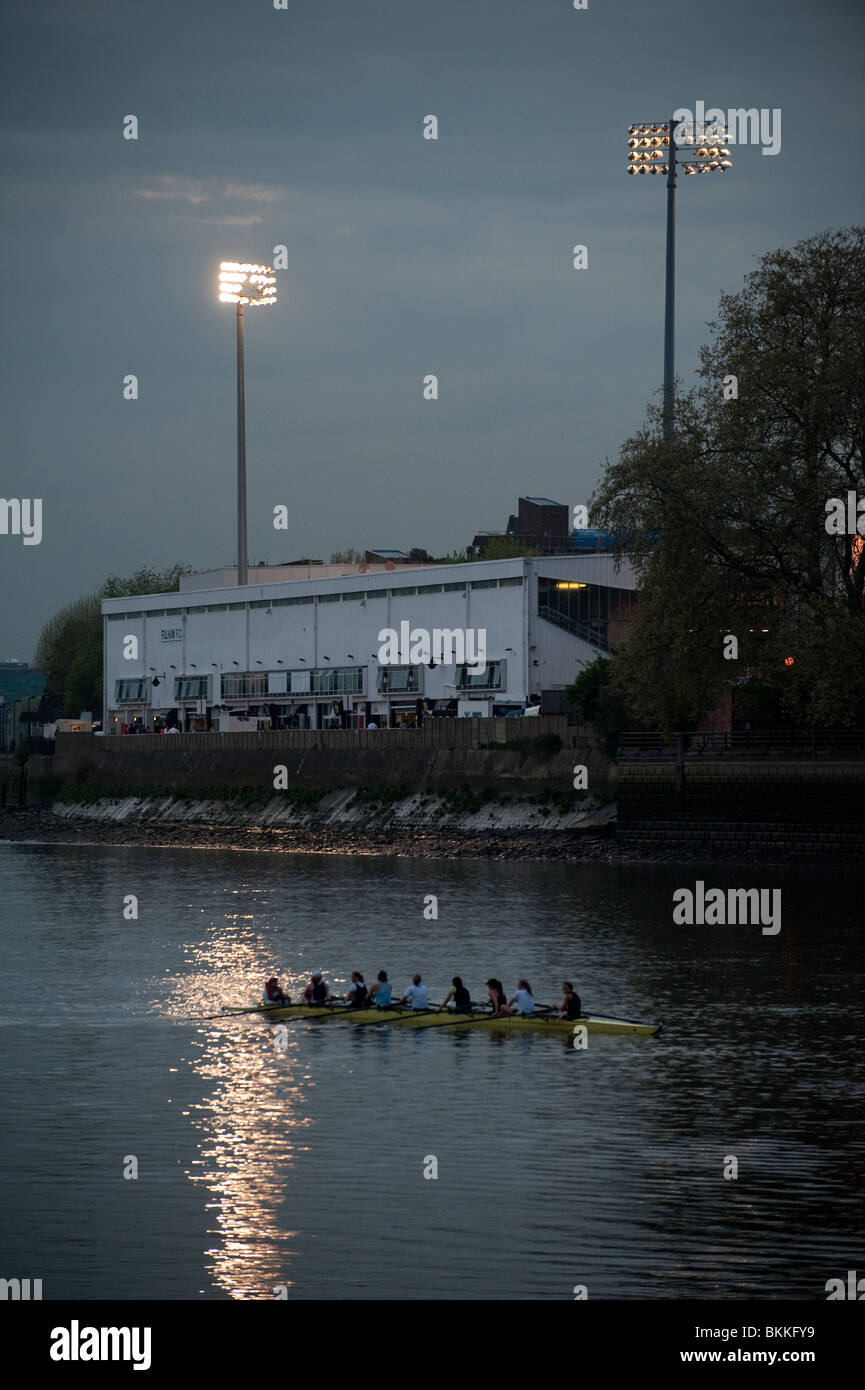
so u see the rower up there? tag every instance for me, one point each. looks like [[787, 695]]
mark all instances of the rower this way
[[357, 992], [523, 998], [571, 1006], [317, 991], [273, 994], [460, 995], [416, 995], [496, 992], [380, 991]]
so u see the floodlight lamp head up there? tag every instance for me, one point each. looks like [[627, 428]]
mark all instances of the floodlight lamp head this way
[[246, 284]]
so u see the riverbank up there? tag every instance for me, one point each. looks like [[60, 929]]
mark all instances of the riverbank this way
[[594, 843]]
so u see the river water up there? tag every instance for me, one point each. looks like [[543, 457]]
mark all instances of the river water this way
[[302, 1170]]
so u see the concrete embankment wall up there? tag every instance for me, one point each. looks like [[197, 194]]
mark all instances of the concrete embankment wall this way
[[759, 805], [809, 805], [323, 760], [12, 781]]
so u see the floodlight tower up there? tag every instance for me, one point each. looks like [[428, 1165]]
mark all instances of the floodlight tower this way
[[253, 285], [652, 150]]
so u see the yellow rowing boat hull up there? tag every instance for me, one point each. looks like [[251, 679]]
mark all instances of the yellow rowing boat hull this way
[[420, 1018]]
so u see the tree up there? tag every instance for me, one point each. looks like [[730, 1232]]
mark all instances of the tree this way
[[69, 649], [347, 557], [506, 548], [596, 701], [739, 496], [498, 548]]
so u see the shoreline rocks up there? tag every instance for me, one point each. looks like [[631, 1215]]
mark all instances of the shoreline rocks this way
[[594, 844]]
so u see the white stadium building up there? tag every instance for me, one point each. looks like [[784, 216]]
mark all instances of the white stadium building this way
[[329, 646]]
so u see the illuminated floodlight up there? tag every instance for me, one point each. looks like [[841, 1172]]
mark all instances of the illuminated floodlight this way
[[653, 149], [246, 284]]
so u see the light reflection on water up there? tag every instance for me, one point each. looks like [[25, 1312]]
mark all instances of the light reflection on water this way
[[263, 1167]]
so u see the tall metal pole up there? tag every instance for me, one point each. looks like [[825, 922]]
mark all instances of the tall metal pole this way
[[241, 454], [669, 308]]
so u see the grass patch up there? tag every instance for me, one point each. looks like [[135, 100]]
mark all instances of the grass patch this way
[[382, 794], [89, 793], [544, 743]]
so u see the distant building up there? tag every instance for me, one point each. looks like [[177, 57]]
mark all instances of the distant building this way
[[381, 557], [21, 689], [544, 525], [541, 524]]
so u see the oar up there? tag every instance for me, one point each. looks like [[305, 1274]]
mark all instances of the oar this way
[[225, 1012]]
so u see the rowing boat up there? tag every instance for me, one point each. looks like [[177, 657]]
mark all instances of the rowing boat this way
[[450, 1018]]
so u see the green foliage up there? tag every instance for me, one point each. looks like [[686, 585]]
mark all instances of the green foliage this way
[[89, 792], [69, 649], [506, 548], [498, 548], [144, 581], [544, 743], [347, 557], [597, 701], [463, 801], [739, 497], [382, 794]]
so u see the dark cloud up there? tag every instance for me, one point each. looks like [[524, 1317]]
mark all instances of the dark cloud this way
[[406, 256]]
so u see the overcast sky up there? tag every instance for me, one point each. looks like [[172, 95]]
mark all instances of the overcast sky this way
[[406, 256]]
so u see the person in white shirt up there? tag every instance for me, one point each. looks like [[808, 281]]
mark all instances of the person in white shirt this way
[[416, 995], [523, 998]]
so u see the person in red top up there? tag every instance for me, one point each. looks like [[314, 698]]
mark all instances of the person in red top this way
[[273, 994]]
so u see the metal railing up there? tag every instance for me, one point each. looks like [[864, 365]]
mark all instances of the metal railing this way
[[435, 734], [595, 633], [744, 743]]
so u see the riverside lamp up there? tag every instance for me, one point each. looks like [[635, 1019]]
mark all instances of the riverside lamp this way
[[253, 285], [652, 150]]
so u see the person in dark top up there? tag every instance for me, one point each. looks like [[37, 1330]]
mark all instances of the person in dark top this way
[[498, 998], [572, 1005], [460, 995], [316, 991], [357, 992]]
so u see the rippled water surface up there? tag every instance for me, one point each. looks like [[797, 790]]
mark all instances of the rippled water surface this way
[[304, 1168]]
